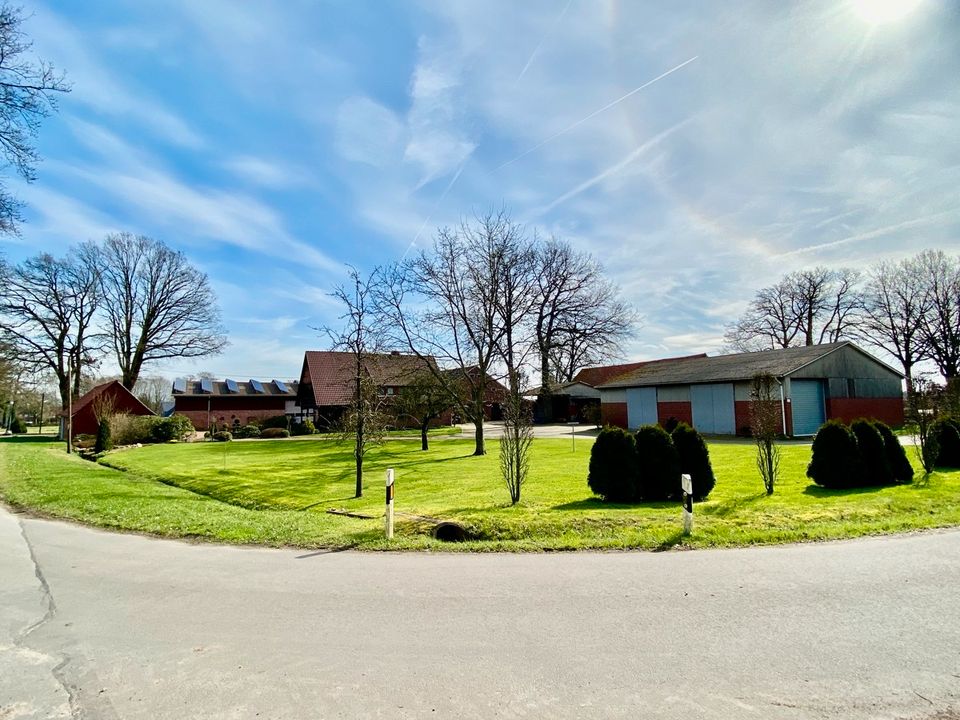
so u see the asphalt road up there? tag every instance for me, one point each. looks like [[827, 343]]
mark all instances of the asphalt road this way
[[99, 625]]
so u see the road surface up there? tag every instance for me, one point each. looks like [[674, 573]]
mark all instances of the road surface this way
[[101, 625]]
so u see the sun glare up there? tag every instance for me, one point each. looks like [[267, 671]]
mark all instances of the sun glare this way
[[877, 12]]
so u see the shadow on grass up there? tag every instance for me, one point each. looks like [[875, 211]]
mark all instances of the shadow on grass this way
[[816, 491], [318, 503], [722, 509], [595, 503], [50, 439], [671, 541]]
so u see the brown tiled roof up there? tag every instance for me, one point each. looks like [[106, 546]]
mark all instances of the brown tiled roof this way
[[98, 390], [601, 375], [330, 373]]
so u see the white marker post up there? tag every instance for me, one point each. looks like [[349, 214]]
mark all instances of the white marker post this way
[[389, 503], [687, 485]]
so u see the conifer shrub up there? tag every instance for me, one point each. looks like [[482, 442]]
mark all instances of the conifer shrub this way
[[947, 434], [873, 454], [896, 456], [18, 426], [613, 466], [835, 462], [104, 439], [271, 433], [659, 464], [694, 459]]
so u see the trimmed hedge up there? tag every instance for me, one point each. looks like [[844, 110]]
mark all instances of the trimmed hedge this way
[[271, 433], [247, 431], [222, 436], [613, 466], [277, 421], [694, 459], [896, 456], [835, 462], [873, 453], [659, 464]]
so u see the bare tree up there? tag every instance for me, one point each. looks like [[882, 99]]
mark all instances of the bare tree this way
[[580, 319], [807, 307], [422, 400], [152, 390], [157, 304], [924, 406], [515, 446], [47, 307], [765, 421], [363, 421], [28, 91], [896, 303], [941, 323], [445, 304]]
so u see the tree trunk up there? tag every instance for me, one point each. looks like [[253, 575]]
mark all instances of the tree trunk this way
[[359, 491], [478, 436], [423, 436]]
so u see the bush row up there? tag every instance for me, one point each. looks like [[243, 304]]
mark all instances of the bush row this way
[[647, 466], [133, 429], [946, 433], [864, 454]]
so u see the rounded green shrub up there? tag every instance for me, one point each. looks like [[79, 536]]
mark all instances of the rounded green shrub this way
[[222, 436], [613, 466], [247, 431], [835, 461], [896, 456], [104, 440], [659, 464], [873, 453], [273, 433], [166, 429], [694, 459], [947, 434], [303, 428]]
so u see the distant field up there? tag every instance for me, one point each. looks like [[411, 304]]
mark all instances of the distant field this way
[[277, 493]]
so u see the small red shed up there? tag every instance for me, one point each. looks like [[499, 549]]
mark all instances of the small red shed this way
[[123, 401]]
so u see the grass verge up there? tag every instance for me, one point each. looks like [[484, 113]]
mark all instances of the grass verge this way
[[277, 493]]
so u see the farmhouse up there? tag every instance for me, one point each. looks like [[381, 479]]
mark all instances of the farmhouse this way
[[327, 379], [818, 383], [109, 397], [233, 404]]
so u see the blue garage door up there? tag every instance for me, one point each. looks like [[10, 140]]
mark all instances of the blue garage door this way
[[808, 406], [712, 407], [641, 407]]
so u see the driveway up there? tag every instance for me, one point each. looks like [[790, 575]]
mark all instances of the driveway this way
[[98, 625]]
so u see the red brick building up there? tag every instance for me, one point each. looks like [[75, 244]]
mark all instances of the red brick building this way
[[816, 383], [112, 395], [232, 404]]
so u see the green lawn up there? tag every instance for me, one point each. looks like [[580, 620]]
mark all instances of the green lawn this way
[[277, 493]]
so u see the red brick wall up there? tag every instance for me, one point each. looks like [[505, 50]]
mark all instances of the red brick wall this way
[[887, 410], [224, 409], [614, 414], [682, 411], [741, 417]]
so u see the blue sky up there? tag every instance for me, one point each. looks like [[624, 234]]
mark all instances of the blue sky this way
[[276, 142]]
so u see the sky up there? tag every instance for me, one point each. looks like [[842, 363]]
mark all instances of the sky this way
[[698, 149]]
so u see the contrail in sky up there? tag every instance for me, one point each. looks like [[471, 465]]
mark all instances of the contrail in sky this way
[[435, 206], [547, 34], [592, 115]]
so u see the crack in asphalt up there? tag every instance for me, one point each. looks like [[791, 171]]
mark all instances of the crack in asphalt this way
[[58, 671]]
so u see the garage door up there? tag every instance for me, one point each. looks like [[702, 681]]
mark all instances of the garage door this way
[[641, 407], [712, 407], [808, 406]]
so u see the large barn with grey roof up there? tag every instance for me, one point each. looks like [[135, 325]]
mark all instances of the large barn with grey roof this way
[[818, 383]]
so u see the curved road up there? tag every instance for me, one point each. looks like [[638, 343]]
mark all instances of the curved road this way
[[98, 625]]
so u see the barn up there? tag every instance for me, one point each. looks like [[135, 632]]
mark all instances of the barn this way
[[817, 383], [228, 403], [109, 397]]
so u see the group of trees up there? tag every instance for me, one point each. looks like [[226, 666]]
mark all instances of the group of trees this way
[[909, 308], [486, 300], [129, 296]]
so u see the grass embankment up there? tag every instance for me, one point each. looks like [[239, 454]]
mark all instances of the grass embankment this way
[[277, 493]]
